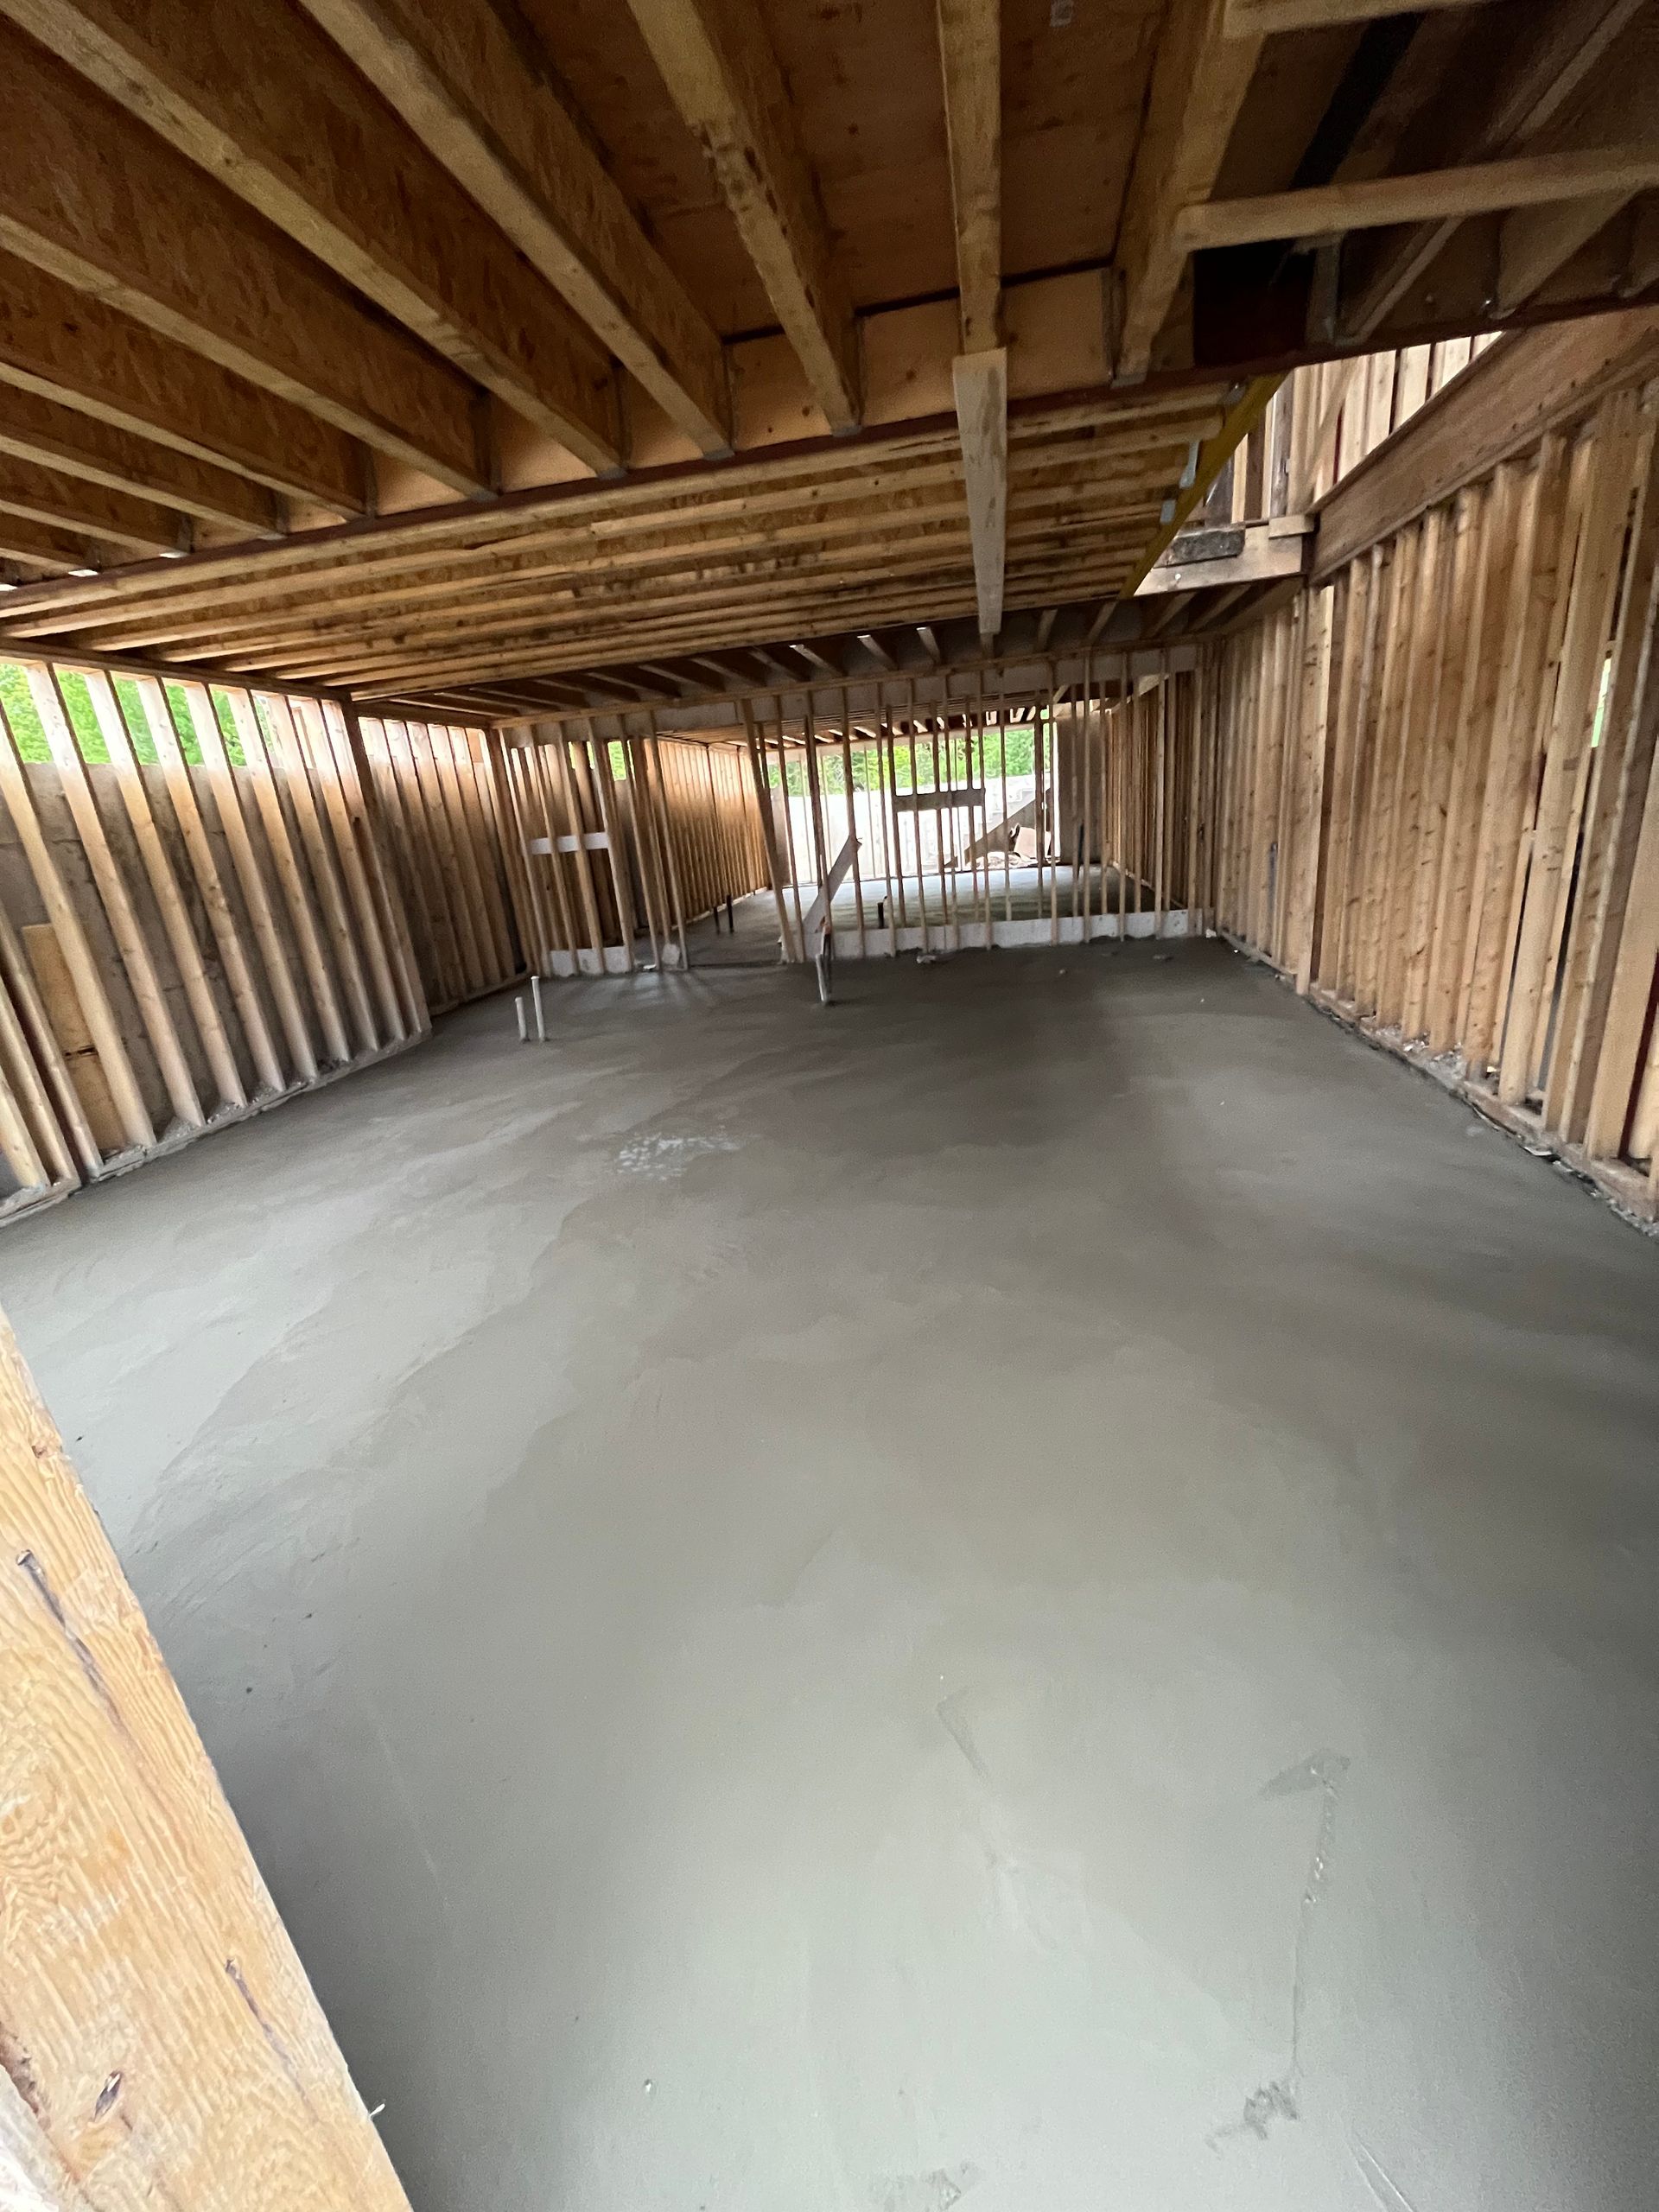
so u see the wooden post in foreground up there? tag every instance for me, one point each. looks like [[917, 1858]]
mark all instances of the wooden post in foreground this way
[[159, 2042]]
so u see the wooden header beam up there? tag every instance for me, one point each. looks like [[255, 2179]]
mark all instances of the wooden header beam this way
[[1380, 203], [1527, 384], [958, 688]]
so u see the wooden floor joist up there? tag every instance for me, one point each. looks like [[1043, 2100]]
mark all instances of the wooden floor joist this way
[[1380, 203], [199, 269], [64, 344], [437, 271], [467, 87], [715, 58], [42, 431], [264, 99]]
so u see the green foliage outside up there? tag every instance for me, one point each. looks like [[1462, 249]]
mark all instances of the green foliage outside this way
[[19, 710], [1010, 752]]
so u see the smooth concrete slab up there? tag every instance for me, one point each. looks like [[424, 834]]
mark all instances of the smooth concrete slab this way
[[1037, 1589]]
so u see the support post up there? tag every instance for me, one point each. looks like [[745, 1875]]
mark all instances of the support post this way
[[980, 383]]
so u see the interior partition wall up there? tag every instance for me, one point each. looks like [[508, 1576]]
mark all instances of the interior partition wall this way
[[1050, 820], [1038, 816], [619, 845]]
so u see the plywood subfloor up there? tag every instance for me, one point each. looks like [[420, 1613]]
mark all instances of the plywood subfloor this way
[[1036, 1588]]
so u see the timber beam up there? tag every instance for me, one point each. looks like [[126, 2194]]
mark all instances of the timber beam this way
[[1219, 555], [1525, 384], [955, 690], [41, 430], [717, 61], [1199, 81]]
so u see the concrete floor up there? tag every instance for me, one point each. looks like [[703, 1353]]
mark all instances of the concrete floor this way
[[1039, 1587]]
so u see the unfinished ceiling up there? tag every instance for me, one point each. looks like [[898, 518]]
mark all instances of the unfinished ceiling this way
[[428, 350]]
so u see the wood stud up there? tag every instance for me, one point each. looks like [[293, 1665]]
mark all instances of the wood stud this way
[[213, 923], [1470, 807]]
